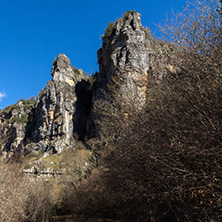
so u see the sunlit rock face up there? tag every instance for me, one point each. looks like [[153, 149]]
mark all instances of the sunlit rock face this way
[[63, 71], [124, 58], [55, 107], [124, 63], [128, 59]]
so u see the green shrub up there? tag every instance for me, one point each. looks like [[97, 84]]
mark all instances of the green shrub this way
[[6, 124], [76, 70], [8, 109], [29, 103], [40, 93], [18, 119], [91, 80], [127, 13], [109, 29]]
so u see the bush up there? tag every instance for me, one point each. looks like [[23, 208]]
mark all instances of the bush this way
[[18, 119], [75, 167], [6, 124], [91, 80], [22, 198], [127, 13], [164, 163], [109, 29], [76, 70]]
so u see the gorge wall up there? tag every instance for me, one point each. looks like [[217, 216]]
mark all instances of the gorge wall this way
[[64, 108]]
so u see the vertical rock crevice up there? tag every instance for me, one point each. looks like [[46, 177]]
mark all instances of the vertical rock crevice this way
[[83, 108]]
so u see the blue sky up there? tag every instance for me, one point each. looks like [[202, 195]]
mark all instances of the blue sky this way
[[34, 32]]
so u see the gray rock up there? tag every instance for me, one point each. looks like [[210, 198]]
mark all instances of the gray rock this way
[[13, 124], [125, 58], [55, 106], [128, 58]]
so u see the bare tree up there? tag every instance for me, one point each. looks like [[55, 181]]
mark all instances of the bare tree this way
[[22, 198]]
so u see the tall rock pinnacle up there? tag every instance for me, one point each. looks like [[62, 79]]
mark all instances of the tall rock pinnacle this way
[[62, 71], [55, 107], [124, 57]]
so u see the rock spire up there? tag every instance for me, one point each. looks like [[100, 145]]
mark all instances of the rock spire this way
[[124, 57], [55, 106]]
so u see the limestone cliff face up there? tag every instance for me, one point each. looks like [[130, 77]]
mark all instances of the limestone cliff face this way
[[128, 58], [49, 122], [55, 108], [124, 58], [13, 125]]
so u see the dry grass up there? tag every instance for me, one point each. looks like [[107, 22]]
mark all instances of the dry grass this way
[[76, 166]]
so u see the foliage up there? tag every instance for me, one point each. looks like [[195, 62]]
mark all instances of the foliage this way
[[164, 162], [8, 108], [161, 163], [91, 80], [20, 119], [76, 70], [6, 124], [32, 98], [29, 103], [40, 93], [197, 29], [127, 13], [32, 156], [109, 29], [75, 166]]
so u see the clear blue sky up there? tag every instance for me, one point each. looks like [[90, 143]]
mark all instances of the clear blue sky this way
[[34, 32]]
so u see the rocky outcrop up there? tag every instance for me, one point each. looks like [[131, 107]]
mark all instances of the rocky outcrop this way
[[128, 58], [124, 58], [55, 108], [48, 123], [13, 125]]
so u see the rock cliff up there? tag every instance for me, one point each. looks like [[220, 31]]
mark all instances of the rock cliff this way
[[13, 125], [129, 56], [124, 58], [55, 108]]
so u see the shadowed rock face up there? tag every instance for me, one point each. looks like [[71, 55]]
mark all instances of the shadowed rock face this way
[[124, 58], [83, 108]]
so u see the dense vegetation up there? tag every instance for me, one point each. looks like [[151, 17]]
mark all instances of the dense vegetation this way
[[162, 163], [165, 162]]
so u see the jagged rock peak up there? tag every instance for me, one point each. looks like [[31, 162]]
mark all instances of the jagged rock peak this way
[[130, 22], [125, 55], [62, 70], [55, 108]]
